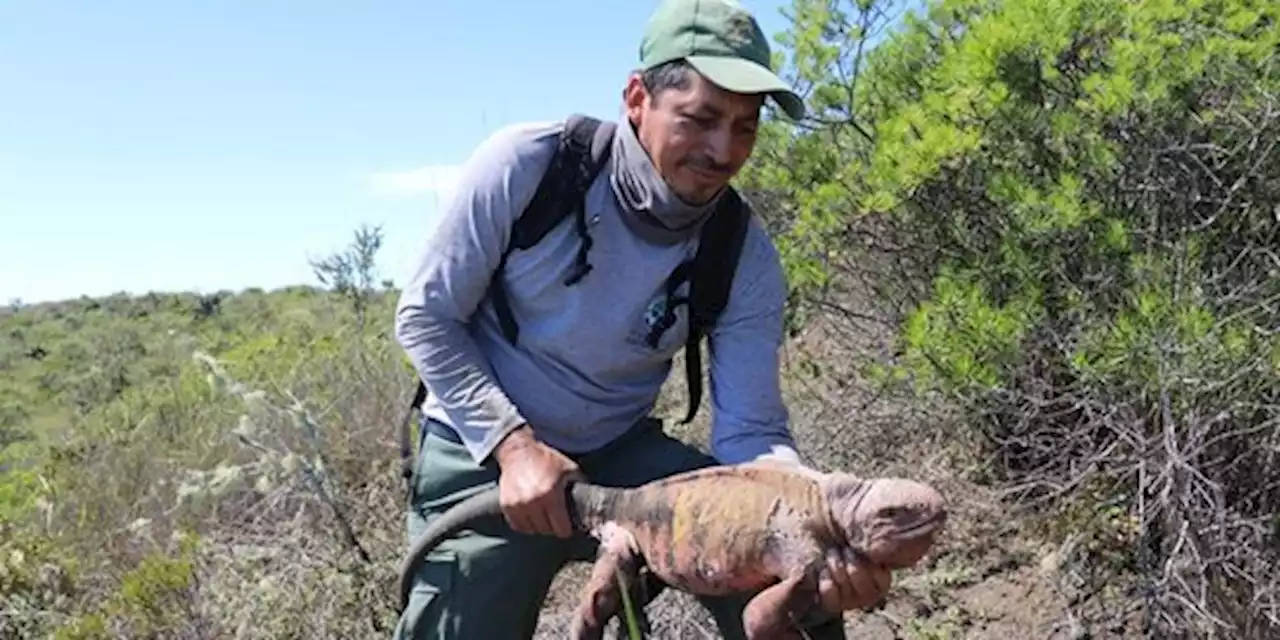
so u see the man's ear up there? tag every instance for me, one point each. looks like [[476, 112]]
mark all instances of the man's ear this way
[[635, 97]]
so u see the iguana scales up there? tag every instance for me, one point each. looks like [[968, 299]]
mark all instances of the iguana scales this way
[[727, 529]]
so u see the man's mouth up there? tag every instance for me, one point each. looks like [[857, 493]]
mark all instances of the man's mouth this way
[[709, 173]]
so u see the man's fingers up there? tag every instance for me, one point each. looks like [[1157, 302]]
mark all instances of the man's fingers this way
[[545, 517], [849, 556], [879, 578], [526, 517], [543, 522], [841, 588], [530, 519], [829, 595], [873, 582], [560, 524], [884, 579], [515, 520], [852, 582], [526, 520], [533, 491], [851, 576]]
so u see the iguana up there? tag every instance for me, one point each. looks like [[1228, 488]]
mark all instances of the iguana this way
[[727, 529]]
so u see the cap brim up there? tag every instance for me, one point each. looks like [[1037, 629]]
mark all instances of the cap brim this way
[[743, 76]]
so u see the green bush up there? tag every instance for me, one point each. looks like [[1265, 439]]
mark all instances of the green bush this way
[[1073, 209]]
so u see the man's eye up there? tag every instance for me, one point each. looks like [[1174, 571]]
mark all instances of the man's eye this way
[[701, 121]]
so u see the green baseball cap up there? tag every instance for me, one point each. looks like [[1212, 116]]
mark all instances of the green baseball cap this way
[[723, 42]]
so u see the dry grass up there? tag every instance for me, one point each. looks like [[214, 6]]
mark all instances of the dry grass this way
[[299, 512]]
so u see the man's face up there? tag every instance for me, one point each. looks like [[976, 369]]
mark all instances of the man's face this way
[[698, 137]]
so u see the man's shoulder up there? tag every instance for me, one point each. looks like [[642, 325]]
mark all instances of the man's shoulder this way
[[519, 142], [508, 163]]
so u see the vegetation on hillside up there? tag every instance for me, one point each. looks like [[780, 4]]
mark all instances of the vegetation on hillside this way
[[202, 466], [1072, 208], [1064, 213]]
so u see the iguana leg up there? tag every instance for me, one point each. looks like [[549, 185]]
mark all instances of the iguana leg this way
[[796, 558], [601, 597]]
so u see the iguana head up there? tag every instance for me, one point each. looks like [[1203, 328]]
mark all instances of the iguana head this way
[[894, 521]]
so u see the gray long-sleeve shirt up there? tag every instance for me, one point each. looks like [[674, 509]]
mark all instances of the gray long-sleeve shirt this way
[[581, 373]]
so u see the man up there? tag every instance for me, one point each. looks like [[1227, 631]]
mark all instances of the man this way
[[571, 398]]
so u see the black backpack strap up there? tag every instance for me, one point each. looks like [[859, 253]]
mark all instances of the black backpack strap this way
[[584, 148], [714, 264], [406, 447]]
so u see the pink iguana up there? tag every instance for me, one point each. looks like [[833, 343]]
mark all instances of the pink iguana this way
[[727, 529]]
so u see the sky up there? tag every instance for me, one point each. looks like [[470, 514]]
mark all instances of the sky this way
[[199, 146]]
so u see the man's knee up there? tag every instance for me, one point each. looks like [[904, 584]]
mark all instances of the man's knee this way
[[458, 586], [462, 583]]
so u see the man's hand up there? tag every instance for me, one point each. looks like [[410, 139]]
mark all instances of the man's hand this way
[[852, 582], [531, 484]]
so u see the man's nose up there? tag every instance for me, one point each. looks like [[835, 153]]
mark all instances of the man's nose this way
[[719, 142]]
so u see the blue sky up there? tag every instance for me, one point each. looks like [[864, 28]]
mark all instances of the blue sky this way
[[197, 146]]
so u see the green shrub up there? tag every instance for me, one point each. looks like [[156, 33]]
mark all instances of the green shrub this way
[[1072, 208]]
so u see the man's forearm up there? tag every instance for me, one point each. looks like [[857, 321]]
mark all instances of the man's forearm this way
[[451, 280], [751, 418], [454, 372]]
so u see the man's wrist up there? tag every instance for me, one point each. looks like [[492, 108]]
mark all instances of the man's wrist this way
[[513, 443]]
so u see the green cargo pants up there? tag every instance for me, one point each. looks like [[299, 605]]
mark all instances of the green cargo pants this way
[[489, 583]]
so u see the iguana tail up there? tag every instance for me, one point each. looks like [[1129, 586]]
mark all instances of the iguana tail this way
[[583, 500]]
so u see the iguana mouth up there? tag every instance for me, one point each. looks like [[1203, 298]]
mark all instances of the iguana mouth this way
[[921, 528]]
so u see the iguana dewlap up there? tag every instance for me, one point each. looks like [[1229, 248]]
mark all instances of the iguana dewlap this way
[[729, 529]]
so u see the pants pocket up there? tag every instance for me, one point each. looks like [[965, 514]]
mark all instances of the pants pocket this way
[[425, 616], [444, 473]]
